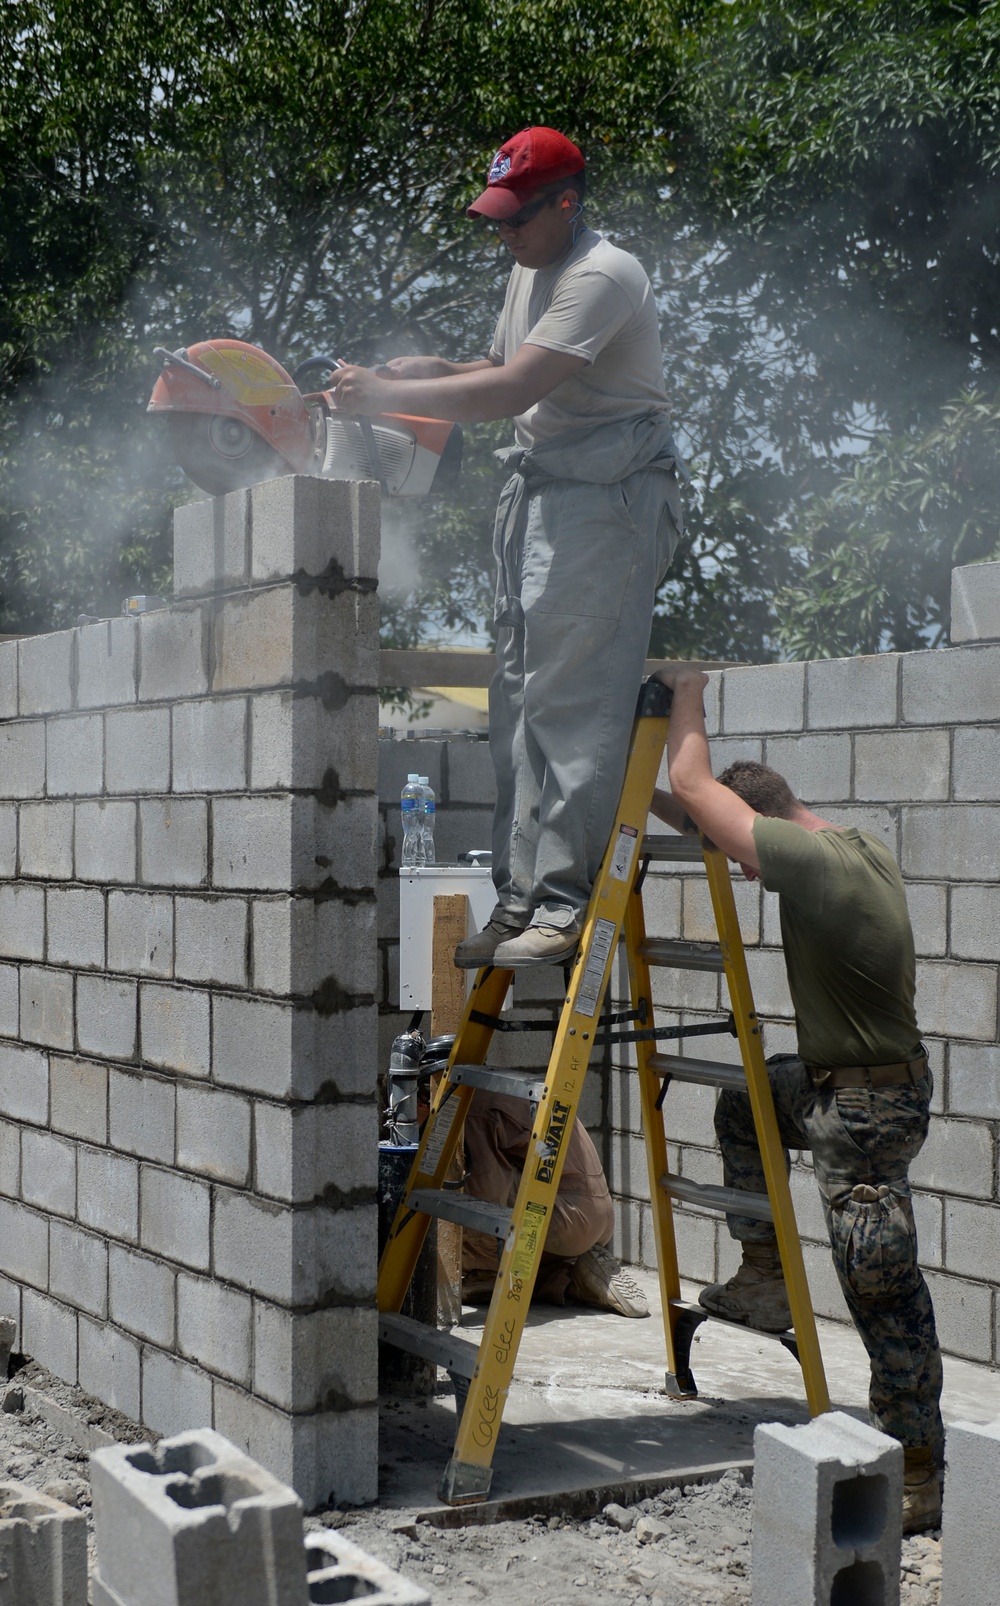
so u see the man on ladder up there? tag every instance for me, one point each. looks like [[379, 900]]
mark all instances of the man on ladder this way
[[857, 1094]]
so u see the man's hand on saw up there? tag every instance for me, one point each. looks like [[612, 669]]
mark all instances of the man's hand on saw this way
[[360, 390]]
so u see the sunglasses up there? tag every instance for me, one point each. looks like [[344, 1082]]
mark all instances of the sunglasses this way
[[527, 212]]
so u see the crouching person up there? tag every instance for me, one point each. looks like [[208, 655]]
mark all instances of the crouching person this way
[[576, 1264], [858, 1092]]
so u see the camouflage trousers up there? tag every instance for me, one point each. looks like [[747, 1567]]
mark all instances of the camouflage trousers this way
[[862, 1142]]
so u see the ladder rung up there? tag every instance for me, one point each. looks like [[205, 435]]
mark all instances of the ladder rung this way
[[734, 1201], [442, 1349], [682, 955], [478, 1214], [709, 1073], [672, 849], [519, 1084]]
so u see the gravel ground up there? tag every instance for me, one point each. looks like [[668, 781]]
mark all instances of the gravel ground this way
[[688, 1547]]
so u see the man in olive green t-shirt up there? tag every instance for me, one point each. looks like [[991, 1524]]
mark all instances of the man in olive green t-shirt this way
[[857, 1094]]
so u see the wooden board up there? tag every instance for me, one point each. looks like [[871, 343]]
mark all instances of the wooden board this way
[[451, 920]]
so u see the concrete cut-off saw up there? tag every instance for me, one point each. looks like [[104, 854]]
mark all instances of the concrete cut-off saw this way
[[236, 418]]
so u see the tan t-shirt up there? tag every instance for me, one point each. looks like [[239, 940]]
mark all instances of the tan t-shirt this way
[[597, 303]]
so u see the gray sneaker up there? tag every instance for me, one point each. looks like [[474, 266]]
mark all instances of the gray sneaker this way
[[599, 1278], [479, 949], [537, 945]]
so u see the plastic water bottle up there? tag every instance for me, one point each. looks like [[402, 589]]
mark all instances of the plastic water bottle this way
[[411, 807], [430, 815]]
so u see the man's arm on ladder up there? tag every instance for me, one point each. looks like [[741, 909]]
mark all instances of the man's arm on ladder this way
[[717, 811]]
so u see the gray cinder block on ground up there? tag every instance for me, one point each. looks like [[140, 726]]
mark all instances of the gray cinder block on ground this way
[[338, 1570], [827, 1514], [43, 1549], [970, 1536], [192, 1521]]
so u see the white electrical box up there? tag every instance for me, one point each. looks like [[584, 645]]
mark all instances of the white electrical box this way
[[418, 887]]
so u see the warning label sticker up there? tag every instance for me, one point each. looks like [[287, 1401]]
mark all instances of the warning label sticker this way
[[440, 1133], [624, 853], [593, 970], [528, 1241]]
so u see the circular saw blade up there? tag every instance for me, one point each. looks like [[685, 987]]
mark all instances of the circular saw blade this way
[[222, 454]]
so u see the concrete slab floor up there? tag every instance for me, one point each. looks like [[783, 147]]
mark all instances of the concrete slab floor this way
[[587, 1409]]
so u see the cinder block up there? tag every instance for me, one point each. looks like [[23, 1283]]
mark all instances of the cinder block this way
[[142, 1115], [307, 526], [695, 1238], [24, 1244], [173, 654], [846, 693], [210, 745], [174, 1217], [78, 1268], [175, 1395], [974, 1080], [297, 741], [281, 636], [970, 1239], [928, 1212], [43, 1548], [975, 603], [302, 946], [9, 1000], [79, 1098], [951, 686], [44, 673], [661, 901], [827, 1513], [74, 755], [22, 922], [24, 1084], [106, 1017], [202, 534], [48, 1333], [962, 1314], [316, 1151], [142, 1296], [191, 1519], [304, 1360], [75, 927], [137, 750], [957, 1000], [105, 842], [699, 923], [976, 764], [927, 902], [175, 1029], [141, 933], [106, 655], [174, 835], [8, 840], [22, 759], [970, 1537], [255, 1247], [213, 1133], [108, 1193], [48, 1172], [46, 840], [769, 980], [961, 843], [46, 1006], [471, 778], [214, 1326], [973, 922], [397, 760], [252, 1045], [10, 1166], [211, 940], [765, 697], [817, 768], [8, 680], [336, 1568], [902, 766], [109, 1366]]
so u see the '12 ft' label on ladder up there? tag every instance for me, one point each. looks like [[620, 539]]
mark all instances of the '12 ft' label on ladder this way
[[593, 970]]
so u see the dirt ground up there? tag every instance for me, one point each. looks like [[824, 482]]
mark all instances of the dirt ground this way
[[688, 1547]]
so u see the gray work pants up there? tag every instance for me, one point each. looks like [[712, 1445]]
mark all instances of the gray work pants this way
[[575, 600]]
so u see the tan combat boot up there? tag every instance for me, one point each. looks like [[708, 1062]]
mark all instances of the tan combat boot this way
[[921, 1489], [756, 1296]]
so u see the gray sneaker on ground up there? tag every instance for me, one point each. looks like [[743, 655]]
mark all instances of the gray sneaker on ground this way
[[599, 1278]]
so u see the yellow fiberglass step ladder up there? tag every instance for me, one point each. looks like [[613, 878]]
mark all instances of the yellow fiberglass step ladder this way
[[482, 1373]]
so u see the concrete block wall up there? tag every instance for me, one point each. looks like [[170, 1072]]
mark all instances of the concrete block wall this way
[[188, 1020], [906, 746]]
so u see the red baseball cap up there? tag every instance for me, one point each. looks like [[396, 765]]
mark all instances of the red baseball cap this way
[[532, 158]]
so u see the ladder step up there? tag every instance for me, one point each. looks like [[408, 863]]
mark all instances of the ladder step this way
[[442, 1349], [519, 1084], [682, 955], [734, 1201], [672, 849], [446, 1205], [710, 1073]]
